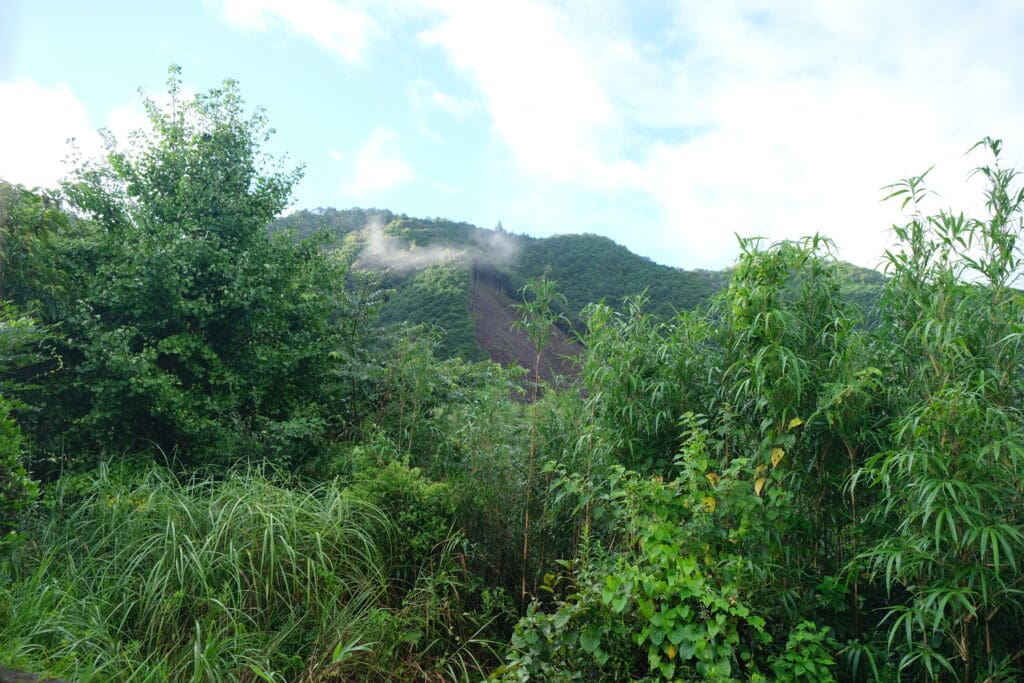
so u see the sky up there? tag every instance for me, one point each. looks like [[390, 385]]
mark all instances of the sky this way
[[671, 127]]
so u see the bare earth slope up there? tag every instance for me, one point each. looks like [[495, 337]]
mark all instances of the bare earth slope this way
[[494, 316]]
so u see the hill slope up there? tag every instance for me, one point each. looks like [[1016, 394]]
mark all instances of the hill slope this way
[[494, 318], [591, 268], [464, 280]]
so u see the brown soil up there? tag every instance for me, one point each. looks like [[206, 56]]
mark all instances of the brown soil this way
[[494, 315]]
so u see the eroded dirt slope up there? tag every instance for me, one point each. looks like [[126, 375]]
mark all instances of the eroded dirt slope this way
[[494, 315]]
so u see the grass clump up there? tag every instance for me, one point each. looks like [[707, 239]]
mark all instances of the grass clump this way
[[143, 577]]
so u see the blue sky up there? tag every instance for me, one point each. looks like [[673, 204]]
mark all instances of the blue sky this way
[[668, 127]]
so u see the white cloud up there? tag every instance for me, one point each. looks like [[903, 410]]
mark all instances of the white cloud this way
[[775, 118], [428, 102], [805, 111], [35, 123], [772, 117], [379, 165], [129, 118], [539, 88], [341, 30]]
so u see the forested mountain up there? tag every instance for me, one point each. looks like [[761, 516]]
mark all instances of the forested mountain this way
[[589, 268], [435, 266]]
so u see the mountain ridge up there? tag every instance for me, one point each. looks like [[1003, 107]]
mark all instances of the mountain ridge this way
[[464, 280]]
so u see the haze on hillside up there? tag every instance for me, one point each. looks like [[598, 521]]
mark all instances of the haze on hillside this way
[[382, 251]]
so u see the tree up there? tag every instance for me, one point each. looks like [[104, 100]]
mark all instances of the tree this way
[[949, 482], [30, 222], [193, 331]]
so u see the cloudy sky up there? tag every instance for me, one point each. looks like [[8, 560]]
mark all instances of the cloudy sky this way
[[668, 126]]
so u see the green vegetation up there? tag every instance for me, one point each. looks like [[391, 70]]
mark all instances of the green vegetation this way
[[133, 575], [191, 332], [226, 454], [588, 268], [305, 224], [437, 296], [591, 268]]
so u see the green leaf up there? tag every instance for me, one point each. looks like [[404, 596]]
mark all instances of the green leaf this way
[[590, 639]]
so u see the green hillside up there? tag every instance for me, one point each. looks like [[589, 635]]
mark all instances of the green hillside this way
[[590, 268], [437, 296], [336, 222], [430, 265]]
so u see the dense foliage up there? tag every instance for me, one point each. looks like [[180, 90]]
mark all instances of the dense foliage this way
[[225, 454], [437, 296], [304, 223], [773, 490], [591, 268], [189, 331]]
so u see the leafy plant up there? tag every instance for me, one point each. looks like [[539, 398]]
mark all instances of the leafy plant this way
[[808, 656], [20, 339], [189, 331], [30, 223], [949, 483], [538, 321], [671, 599]]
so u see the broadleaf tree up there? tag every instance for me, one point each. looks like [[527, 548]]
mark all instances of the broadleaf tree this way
[[193, 331]]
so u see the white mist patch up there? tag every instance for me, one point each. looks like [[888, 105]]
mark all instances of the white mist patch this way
[[495, 248], [383, 252]]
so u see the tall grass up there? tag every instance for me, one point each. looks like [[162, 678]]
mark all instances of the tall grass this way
[[146, 578]]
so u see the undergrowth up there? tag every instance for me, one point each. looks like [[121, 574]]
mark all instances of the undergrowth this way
[[140, 577]]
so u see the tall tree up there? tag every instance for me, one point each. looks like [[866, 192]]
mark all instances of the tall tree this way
[[193, 331]]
